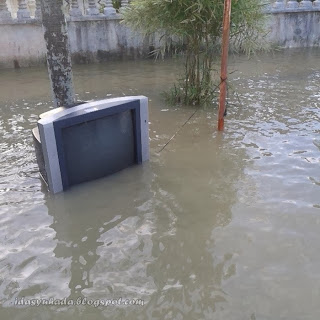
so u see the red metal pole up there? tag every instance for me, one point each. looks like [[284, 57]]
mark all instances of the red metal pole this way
[[224, 63]]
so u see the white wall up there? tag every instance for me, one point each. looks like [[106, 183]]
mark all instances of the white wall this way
[[99, 38]]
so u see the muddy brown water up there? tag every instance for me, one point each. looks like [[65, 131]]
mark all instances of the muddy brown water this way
[[216, 226]]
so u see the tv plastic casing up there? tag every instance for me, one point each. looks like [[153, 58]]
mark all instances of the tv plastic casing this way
[[49, 140]]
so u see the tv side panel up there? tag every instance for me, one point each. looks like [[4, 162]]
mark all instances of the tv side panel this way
[[50, 155], [144, 118]]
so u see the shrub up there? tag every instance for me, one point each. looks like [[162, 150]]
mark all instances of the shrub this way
[[193, 28]]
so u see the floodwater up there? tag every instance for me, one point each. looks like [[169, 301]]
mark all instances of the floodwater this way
[[216, 226]]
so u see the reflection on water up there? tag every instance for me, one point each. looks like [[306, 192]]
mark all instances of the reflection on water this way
[[216, 226]]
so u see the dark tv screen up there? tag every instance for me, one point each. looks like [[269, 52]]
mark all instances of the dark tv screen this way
[[99, 147]]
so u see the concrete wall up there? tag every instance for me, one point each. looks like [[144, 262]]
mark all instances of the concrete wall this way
[[295, 29], [104, 39], [91, 40], [21, 44], [101, 38]]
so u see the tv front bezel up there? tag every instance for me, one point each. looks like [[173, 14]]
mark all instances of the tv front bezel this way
[[83, 116]]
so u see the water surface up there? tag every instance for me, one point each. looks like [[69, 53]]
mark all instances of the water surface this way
[[216, 226]]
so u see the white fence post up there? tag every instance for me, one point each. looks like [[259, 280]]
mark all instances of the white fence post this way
[[292, 4], [316, 4], [109, 10], [124, 3], [4, 12], [92, 8], [279, 4], [75, 11], [23, 12], [307, 4], [38, 13]]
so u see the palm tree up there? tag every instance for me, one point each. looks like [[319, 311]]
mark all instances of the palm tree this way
[[58, 52]]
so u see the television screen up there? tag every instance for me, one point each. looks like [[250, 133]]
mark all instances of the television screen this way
[[99, 147]]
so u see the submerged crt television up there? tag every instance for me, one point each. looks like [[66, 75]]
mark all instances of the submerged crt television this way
[[91, 140]]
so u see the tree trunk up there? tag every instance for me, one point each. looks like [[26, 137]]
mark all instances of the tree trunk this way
[[58, 52]]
